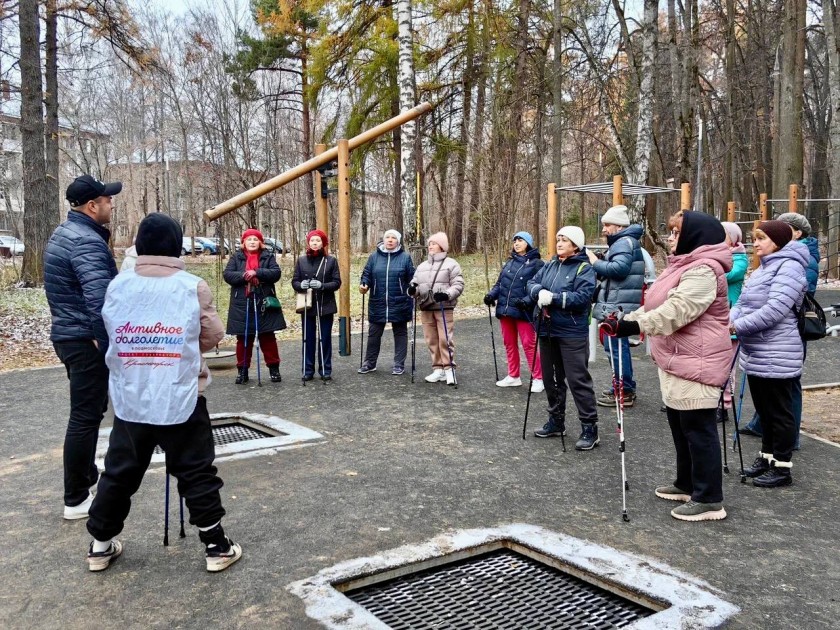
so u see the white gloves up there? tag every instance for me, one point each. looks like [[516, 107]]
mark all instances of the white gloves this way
[[544, 297]]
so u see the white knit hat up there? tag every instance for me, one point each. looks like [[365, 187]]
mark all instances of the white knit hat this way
[[574, 234], [617, 215], [393, 233]]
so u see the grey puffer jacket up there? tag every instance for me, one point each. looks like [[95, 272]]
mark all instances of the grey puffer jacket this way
[[622, 273], [764, 319], [78, 267]]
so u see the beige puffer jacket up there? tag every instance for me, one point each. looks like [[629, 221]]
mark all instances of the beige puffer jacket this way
[[438, 273]]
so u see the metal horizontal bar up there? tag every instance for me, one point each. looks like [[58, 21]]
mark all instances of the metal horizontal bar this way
[[803, 200], [606, 188]]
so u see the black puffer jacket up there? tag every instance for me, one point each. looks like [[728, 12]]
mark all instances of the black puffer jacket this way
[[78, 267], [311, 267], [270, 320], [512, 283]]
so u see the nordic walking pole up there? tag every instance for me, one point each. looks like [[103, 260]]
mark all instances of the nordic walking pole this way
[[533, 367], [303, 346], [362, 343], [618, 388], [721, 408], [318, 338], [257, 340], [247, 312], [166, 514], [448, 347], [182, 534], [493, 340], [737, 426], [414, 344]]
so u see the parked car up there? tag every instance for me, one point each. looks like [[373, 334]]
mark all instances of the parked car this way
[[210, 245], [188, 247], [15, 245], [271, 245]]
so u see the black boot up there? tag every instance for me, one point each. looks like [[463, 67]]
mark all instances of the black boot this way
[[274, 372], [588, 437], [759, 467], [774, 478], [242, 376]]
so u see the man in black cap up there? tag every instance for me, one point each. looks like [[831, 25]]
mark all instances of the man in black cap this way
[[77, 269]]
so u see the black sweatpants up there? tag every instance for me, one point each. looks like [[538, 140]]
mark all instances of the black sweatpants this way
[[566, 359], [698, 453], [374, 342], [773, 401], [189, 458]]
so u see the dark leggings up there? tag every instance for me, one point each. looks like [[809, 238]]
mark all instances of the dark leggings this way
[[698, 453]]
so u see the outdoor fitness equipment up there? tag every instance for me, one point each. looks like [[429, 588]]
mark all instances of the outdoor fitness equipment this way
[[183, 534], [448, 347], [493, 340]]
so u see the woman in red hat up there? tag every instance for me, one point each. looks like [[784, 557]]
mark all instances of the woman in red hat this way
[[251, 274], [317, 271]]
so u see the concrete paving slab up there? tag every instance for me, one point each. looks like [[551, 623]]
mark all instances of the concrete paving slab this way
[[401, 464]]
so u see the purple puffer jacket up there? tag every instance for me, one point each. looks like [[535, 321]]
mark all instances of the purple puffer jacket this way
[[764, 319]]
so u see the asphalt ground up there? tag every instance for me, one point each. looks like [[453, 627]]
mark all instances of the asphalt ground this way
[[400, 464]]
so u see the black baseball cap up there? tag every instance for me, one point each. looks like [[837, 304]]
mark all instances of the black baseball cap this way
[[86, 188]]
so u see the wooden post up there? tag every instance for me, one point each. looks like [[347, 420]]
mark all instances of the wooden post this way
[[793, 197], [319, 160], [322, 208], [344, 247], [551, 220], [730, 211], [685, 196], [618, 195], [762, 209]]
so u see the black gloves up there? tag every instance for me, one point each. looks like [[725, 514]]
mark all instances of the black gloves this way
[[522, 304], [441, 296], [614, 327], [488, 300], [412, 289]]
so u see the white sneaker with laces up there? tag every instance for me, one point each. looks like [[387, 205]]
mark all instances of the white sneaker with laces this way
[[509, 381], [450, 376], [78, 511], [537, 386], [436, 377]]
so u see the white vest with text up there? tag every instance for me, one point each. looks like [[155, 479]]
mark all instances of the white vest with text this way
[[153, 326]]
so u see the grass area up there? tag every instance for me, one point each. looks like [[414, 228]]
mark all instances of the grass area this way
[[32, 302]]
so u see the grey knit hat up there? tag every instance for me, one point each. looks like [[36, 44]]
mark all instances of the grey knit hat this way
[[797, 222]]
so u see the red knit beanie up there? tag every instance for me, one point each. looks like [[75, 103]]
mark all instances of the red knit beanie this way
[[324, 240], [252, 232]]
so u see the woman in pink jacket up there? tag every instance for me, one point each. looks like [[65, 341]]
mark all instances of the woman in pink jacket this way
[[686, 316], [436, 286]]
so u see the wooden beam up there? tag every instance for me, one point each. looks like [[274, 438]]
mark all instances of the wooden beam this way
[[551, 220], [685, 196], [618, 195], [793, 197], [319, 160], [730, 211]]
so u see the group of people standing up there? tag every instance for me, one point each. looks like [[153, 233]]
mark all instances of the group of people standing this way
[[141, 335]]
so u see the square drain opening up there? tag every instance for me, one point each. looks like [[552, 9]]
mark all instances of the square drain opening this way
[[501, 585], [233, 429]]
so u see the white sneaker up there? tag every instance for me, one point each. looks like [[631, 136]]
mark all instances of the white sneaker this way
[[537, 386], [450, 376], [436, 377], [509, 381], [78, 511]]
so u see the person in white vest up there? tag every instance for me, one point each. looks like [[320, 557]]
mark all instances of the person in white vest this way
[[159, 320]]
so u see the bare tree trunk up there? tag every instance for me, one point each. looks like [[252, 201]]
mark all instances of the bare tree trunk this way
[[308, 179], [557, 101], [831, 18], [728, 172], [408, 171], [51, 101], [644, 125], [478, 142], [36, 225], [788, 150]]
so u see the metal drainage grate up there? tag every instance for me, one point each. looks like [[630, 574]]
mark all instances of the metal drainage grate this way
[[230, 431], [500, 589]]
